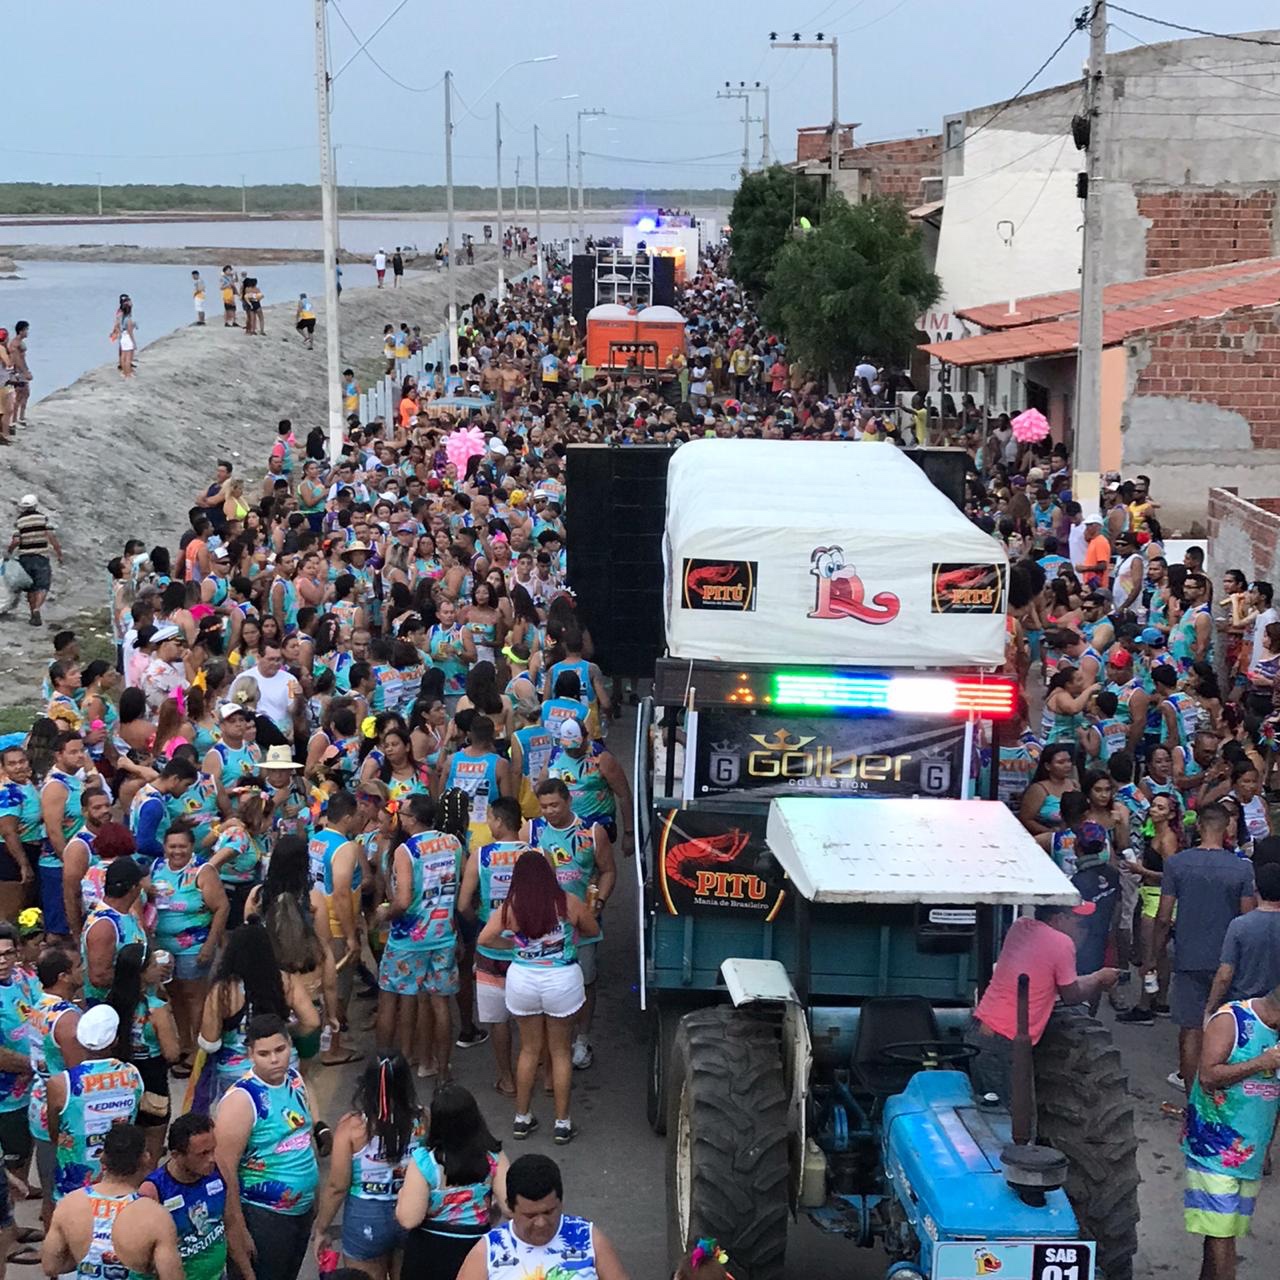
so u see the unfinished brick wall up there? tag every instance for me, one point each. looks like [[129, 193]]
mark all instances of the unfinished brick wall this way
[[814, 143], [1243, 534], [899, 167], [1229, 361], [1191, 229]]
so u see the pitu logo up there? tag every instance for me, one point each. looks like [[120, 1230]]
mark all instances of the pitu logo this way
[[839, 591]]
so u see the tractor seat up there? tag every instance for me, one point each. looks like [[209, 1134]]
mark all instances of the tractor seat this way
[[886, 1020]]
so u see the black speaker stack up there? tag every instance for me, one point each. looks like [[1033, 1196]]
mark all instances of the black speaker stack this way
[[614, 526], [664, 282], [584, 288]]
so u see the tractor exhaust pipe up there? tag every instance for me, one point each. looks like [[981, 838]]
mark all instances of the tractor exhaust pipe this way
[[1031, 1171], [1022, 1105]]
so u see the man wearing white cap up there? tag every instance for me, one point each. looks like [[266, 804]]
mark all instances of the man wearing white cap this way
[[164, 675], [33, 539], [1095, 568], [88, 1100]]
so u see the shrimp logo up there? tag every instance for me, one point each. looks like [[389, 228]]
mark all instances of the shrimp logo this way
[[720, 584], [985, 1262], [839, 591]]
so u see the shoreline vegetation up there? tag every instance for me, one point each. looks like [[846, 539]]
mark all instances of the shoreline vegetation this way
[[169, 203]]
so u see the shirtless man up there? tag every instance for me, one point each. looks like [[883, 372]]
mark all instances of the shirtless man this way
[[111, 1218]]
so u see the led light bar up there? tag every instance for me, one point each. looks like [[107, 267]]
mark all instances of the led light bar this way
[[884, 695]]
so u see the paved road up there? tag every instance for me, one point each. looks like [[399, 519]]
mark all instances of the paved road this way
[[614, 1173]]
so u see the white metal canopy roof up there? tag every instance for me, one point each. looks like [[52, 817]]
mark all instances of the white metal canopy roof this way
[[905, 850]]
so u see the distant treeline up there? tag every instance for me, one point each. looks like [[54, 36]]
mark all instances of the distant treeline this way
[[54, 198]]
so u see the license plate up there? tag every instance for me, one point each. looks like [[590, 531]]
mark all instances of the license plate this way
[[1013, 1260]]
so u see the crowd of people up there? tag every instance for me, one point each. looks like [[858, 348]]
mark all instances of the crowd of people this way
[[355, 744]]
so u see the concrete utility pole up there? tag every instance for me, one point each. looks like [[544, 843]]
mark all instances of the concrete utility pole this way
[[745, 98], [497, 125], [834, 46], [328, 209], [99, 195], [582, 225], [763, 90], [568, 193], [448, 197], [1086, 460], [537, 202], [516, 201], [244, 198]]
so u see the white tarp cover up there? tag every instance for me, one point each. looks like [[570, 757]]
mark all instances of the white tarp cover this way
[[781, 551], [899, 850]]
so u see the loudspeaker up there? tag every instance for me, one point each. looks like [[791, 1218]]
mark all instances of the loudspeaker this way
[[613, 541], [945, 469], [664, 282], [584, 289]]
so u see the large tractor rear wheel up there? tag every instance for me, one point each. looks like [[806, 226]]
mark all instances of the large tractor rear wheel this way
[[727, 1172], [1084, 1110]]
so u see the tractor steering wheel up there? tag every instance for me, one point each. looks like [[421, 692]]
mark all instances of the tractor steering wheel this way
[[930, 1055]]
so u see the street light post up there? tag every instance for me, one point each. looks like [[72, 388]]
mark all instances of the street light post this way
[[568, 195], [537, 203], [497, 125], [587, 111], [448, 180], [333, 349]]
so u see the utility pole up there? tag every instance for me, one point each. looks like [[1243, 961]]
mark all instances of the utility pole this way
[[517, 195], [328, 209], [537, 203], [745, 98], [99, 195], [568, 194], [497, 125], [586, 111], [355, 195], [764, 141], [448, 181], [244, 198], [834, 46], [1086, 461]]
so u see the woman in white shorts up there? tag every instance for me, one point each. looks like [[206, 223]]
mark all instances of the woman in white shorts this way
[[541, 925]]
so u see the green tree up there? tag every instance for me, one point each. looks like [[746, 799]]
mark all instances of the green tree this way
[[764, 209], [854, 286]]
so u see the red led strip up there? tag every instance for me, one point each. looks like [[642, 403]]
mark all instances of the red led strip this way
[[993, 698]]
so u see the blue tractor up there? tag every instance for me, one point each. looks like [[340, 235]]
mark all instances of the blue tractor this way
[[824, 892]]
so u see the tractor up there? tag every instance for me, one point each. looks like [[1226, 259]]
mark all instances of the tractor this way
[[824, 889]]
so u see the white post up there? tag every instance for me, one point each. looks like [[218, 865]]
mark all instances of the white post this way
[[333, 351], [99, 195], [448, 178], [515, 203], [764, 147], [835, 115], [244, 198], [497, 125], [568, 194], [1087, 459], [582, 230], [537, 201]]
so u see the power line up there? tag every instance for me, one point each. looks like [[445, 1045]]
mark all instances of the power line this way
[[686, 160], [1076, 28], [853, 31], [333, 4], [1196, 31]]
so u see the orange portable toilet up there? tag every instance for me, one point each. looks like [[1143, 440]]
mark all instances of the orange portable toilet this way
[[663, 325], [608, 323]]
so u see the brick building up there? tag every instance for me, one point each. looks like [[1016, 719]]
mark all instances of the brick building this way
[[900, 168], [1244, 533], [1190, 375]]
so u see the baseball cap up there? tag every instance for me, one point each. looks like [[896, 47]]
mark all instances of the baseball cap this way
[[228, 709], [1120, 658], [98, 1027], [220, 553], [122, 875], [1093, 518], [569, 732], [1151, 635], [28, 500]]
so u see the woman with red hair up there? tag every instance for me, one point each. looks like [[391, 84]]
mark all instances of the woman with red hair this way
[[540, 924]]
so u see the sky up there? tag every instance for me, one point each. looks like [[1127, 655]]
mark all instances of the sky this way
[[213, 91]]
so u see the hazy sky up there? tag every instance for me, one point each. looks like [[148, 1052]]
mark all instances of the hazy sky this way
[[208, 90]]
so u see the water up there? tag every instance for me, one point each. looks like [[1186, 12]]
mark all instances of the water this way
[[356, 235], [70, 306]]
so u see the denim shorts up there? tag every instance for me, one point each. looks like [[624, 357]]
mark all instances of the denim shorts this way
[[369, 1229], [186, 967]]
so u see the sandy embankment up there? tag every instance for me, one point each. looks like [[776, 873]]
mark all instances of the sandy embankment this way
[[112, 459]]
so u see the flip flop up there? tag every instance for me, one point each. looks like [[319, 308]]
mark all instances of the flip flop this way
[[24, 1257], [347, 1055], [29, 1235], [181, 1071], [506, 1093]]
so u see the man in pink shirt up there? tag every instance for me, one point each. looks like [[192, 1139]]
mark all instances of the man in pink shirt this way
[[1044, 948]]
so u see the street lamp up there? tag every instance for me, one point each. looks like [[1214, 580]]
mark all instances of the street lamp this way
[[585, 112]]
